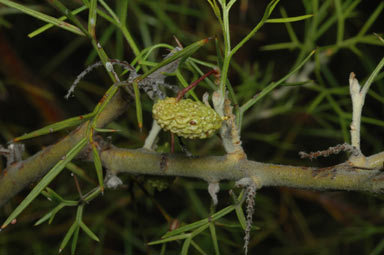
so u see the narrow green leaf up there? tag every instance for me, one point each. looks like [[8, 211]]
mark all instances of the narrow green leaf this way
[[273, 85], [170, 239], [184, 53], [144, 54], [106, 130], [78, 220], [104, 15], [186, 228], [241, 216], [374, 15], [79, 213], [185, 248], [199, 230], [271, 6], [103, 57], [68, 236], [88, 231], [58, 208], [185, 84], [280, 46], [43, 17], [92, 194], [216, 10], [53, 195], [368, 120], [290, 30], [79, 172], [212, 229], [198, 248], [74, 121], [96, 45], [48, 26], [50, 215], [378, 249], [372, 77], [104, 101], [75, 238], [45, 181], [68, 13], [201, 73], [43, 219], [369, 39], [98, 166], [109, 10], [92, 18], [289, 19], [202, 222], [123, 27]]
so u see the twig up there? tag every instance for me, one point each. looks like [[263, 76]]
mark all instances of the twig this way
[[358, 98], [153, 133], [331, 150]]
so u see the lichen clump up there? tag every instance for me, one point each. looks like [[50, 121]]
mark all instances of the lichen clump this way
[[186, 118]]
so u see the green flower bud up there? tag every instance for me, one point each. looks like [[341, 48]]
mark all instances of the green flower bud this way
[[186, 118]]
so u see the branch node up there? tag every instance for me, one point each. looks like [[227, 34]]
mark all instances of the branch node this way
[[163, 162]]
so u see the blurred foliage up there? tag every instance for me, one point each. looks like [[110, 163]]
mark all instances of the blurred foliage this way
[[307, 113]]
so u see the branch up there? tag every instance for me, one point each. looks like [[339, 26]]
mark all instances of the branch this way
[[359, 173], [18, 175], [214, 169]]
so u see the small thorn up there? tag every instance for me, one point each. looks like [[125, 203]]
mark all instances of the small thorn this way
[[178, 42]]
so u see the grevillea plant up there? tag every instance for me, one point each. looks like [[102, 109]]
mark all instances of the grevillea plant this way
[[156, 78]]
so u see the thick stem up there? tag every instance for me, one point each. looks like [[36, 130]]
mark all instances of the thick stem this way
[[217, 168], [18, 175]]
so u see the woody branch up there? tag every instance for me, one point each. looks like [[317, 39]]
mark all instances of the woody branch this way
[[213, 169]]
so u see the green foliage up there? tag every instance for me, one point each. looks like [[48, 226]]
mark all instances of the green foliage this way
[[308, 93], [46, 180]]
